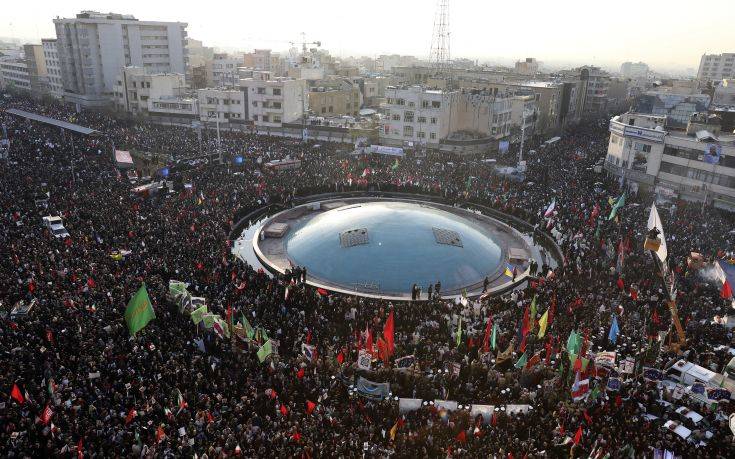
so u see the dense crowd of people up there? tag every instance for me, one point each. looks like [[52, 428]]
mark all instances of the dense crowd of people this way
[[79, 384]]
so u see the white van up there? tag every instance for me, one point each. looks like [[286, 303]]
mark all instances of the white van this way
[[55, 225]]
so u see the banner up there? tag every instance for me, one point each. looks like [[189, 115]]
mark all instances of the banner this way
[[264, 351], [364, 360], [485, 410], [606, 359], [406, 405], [372, 390], [627, 366], [652, 374], [405, 362]]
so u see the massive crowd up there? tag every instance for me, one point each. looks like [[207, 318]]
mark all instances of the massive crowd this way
[[85, 387]]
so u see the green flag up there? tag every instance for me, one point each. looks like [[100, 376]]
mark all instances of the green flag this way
[[264, 351], [533, 312], [264, 334], [209, 320], [197, 315], [249, 332], [395, 165], [494, 337], [595, 393], [176, 288], [573, 344], [522, 361], [618, 204], [139, 311], [459, 332]]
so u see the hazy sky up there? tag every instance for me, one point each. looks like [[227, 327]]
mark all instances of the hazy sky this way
[[666, 35]]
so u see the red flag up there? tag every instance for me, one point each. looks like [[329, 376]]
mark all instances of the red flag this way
[[131, 414], [274, 395], [160, 434], [726, 292], [308, 337], [296, 436], [322, 292], [17, 395], [621, 285], [310, 406], [486, 339], [369, 341], [388, 329], [80, 449], [655, 318], [46, 415], [284, 410], [461, 436], [340, 357], [210, 418], [578, 436], [300, 373], [587, 417], [633, 294], [383, 350]]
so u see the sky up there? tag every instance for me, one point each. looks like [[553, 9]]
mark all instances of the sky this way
[[668, 36]]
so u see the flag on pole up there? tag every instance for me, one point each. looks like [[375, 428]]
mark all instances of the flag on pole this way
[[578, 436], [486, 339], [522, 361], [249, 332], [550, 209], [614, 330], [180, 401], [494, 337], [197, 315], [618, 204], [139, 311], [388, 330], [264, 351], [542, 324], [459, 331], [17, 395], [46, 415]]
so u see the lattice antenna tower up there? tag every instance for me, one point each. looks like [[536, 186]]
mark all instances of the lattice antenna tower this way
[[440, 50]]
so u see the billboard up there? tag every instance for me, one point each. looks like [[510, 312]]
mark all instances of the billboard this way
[[712, 153]]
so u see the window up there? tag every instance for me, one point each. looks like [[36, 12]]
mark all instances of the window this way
[[432, 135], [276, 91], [645, 148], [261, 90], [276, 105], [422, 119], [255, 117], [331, 109], [400, 102], [255, 103], [396, 117], [424, 104], [407, 131], [433, 120], [390, 100], [436, 104], [265, 118], [276, 119], [324, 109], [408, 117], [411, 104], [421, 134]]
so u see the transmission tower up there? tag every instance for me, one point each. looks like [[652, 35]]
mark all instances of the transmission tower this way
[[441, 60]]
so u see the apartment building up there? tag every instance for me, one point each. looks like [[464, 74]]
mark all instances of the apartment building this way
[[335, 97], [432, 117], [272, 101], [222, 105], [14, 75], [93, 47], [53, 67], [26, 72], [529, 66], [135, 89], [695, 164], [224, 70], [716, 67], [634, 70]]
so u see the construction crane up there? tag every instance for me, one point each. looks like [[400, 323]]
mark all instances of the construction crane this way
[[655, 244], [304, 43]]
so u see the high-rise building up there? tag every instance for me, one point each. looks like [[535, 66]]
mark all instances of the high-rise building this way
[[53, 67], [634, 70], [716, 67], [93, 47]]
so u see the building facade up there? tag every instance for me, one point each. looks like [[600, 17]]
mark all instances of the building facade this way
[[53, 67], [224, 70], [716, 67], [94, 47], [696, 164], [223, 106], [335, 98], [528, 66], [135, 89], [634, 70], [272, 101]]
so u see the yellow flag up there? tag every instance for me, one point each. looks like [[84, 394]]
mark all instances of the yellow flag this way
[[393, 431], [543, 321], [508, 272]]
